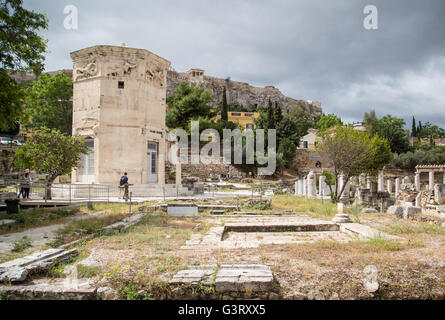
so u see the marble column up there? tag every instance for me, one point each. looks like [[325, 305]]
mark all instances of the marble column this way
[[389, 186], [362, 180], [381, 182], [312, 185], [296, 187], [417, 181], [322, 186], [304, 187], [300, 187], [431, 181], [397, 187], [368, 182]]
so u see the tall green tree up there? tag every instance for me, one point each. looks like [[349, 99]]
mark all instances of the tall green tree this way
[[353, 152], [413, 128], [224, 107], [188, 102], [392, 128], [278, 113], [271, 124], [327, 122], [50, 152], [21, 49], [287, 150], [370, 122], [49, 103]]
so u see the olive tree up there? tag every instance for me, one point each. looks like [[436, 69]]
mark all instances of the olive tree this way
[[51, 152], [353, 152]]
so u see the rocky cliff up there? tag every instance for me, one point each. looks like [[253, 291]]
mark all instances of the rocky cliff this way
[[239, 92]]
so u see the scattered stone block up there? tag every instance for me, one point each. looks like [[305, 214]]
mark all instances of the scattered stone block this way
[[369, 210], [370, 281], [410, 212], [182, 210], [35, 263], [289, 211], [342, 218], [6, 222], [217, 212], [396, 211], [14, 274]]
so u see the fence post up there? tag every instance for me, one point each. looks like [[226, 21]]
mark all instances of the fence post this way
[[89, 192], [108, 190], [163, 190], [70, 193], [131, 193], [46, 192]]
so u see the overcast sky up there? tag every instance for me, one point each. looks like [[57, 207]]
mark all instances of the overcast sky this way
[[309, 49]]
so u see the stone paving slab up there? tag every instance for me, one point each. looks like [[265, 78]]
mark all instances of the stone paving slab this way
[[242, 278], [228, 278], [366, 232], [194, 274]]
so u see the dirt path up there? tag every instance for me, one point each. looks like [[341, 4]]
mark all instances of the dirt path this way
[[39, 236]]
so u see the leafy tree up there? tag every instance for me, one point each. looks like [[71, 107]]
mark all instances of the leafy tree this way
[[288, 150], [370, 122], [49, 104], [327, 122], [11, 101], [429, 130], [21, 49], [391, 128], [188, 102], [224, 107], [353, 152], [237, 107], [51, 152], [425, 156]]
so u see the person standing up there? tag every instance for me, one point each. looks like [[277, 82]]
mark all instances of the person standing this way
[[27, 185], [123, 186]]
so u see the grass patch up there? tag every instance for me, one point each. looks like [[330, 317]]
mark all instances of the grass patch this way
[[33, 218], [22, 244], [79, 228], [86, 271], [379, 242], [129, 291], [412, 227], [300, 205]]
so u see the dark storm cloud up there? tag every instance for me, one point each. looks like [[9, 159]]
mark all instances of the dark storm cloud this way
[[309, 49]]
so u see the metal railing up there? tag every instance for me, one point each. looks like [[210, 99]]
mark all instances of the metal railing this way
[[96, 192]]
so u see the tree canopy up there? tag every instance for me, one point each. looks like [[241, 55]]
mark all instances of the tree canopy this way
[[49, 104], [327, 122], [21, 49], [51, 152], [188, 102], [354, 152]]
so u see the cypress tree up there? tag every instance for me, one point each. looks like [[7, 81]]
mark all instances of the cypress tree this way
[[413, 129], [270, 116], [278, 113], [224, 107]]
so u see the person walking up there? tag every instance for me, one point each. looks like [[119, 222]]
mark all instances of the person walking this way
[[22, 187], [123, 186]]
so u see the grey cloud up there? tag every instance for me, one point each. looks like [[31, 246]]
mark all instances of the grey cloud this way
[[309, 49]]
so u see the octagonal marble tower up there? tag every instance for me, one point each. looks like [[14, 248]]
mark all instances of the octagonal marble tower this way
[[119, 106]]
